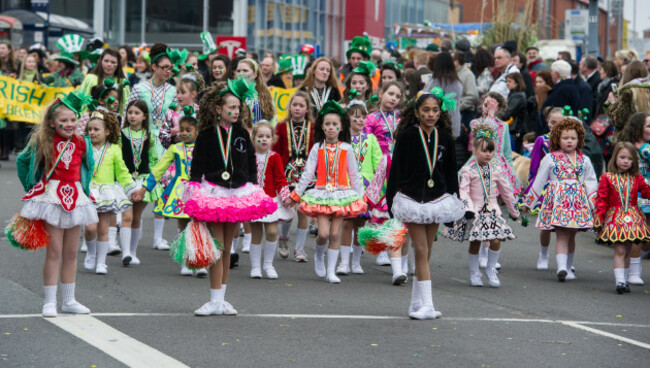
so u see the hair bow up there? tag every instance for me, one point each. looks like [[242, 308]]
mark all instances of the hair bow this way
[[332, 107]]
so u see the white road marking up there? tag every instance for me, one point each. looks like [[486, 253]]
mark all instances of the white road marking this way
[[608, 334], [118, 345]]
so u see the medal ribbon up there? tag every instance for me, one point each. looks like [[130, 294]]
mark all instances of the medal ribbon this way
[[225, 153], [431, 161], [293, 137], [391, 128], [485, 185], [266, 161], [625, 201], [98, 163], [574, 163], [318, 100], [330, 170], [357, 150], [137, 152], [188, 162], [58, 159]]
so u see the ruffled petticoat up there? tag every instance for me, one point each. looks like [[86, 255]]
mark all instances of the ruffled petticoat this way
[[47, 207], [281, 214], [489, 226], [109, 198], [213, 203], [446, 208], [341, 203]]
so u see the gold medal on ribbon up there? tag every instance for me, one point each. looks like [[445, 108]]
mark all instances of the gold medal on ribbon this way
[[300, 162], [225, 175], [627, 218], [431, 160], [430, 183], [329, 187], [135, 175], [225, 151], [158, 123], [488, 208]]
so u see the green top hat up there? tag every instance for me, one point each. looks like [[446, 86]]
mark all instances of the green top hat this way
[[67, 58], [299, 63], [241, 88], [365, 67], [284, 64], [70, 43], [209, 46], [74, 100], [361, 45]]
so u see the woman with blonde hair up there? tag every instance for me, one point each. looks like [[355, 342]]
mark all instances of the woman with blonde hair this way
[[320, 84], [632, 96], [262, 106]]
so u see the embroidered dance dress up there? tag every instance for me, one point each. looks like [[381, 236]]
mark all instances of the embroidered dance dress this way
[[644, 168], [368, 154], [503, 151], [223, 178], [271, 177], [171, 202], [540, 150], [338, 189], [382, 125], [140, 156], [158, 99], [108, 195], [571, 191], [617, 213], [293, 145], [423, 183], [59, 196], [476, 184]]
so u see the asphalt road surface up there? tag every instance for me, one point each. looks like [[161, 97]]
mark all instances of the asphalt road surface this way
[[142, 316]]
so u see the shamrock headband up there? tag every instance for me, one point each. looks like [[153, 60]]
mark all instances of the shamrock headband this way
[[448, 101], [354, 93], [189, 112], [583, 114], [240, 88], [393, 64], [332, 107], [366, 68], [166, 53], [482, 131], [566, 110], [109, 84]]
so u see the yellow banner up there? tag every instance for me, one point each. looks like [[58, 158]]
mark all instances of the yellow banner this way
[[281, 98], [26, 101]]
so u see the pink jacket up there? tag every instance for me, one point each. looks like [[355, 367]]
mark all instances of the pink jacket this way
[[471, 190]]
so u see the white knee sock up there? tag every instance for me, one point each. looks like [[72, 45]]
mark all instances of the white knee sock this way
[[112, 235], [473, 262], [301, 236], [561, 260], [118, 219], [235, 243], [269, 253], [345, 254], [483, 253], [247, 240], [125, 240], [136, 234], [493, 258], [286, 227], [332, 257], [158, 227], [256, 255], [68, 292], [627, 273], [543, 251], [569, 261], [405, 263], [412, 260], [619, 274], [635, 266], [396, 265], [102, 251], [356, 254], [92, 247], [320, 250], [50, 294]]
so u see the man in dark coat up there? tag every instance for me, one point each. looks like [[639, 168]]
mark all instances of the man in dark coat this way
[[565, 92]]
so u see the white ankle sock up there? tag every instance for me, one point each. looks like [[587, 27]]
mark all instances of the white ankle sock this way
[[493, 258], [125, 241], [635, 266], [247, 240], [345, 254], [256, 255], [356, 254], [569, 261], [217, 295], [301, 236], [396, 265], [269, 253], [561, 260], [405, 263], [68, 292], [136, 234], [286, 227], [332, 257], [235, 243], [50, 294], [102, 251], [158, 227], [92, 247], [543, 251], [426, 294], [619, 274], [473, 262]]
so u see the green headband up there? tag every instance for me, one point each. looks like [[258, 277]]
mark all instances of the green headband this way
[[448, 101]]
